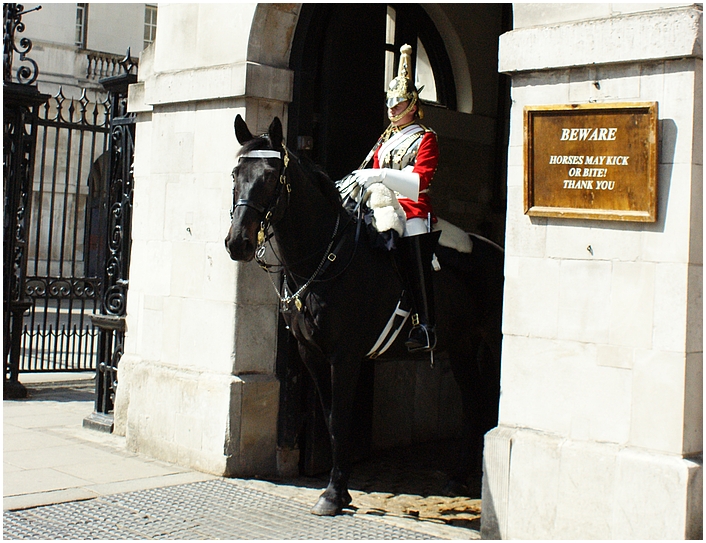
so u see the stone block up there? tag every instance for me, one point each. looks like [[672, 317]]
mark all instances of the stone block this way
[[695, 310], [632, 298], [527, 15], [254, 286], [215, 146], [173, 137], [693, 405], [252, 451], [652, 82], [524, 235], [190, 260], [220, 273], [604, 84], [544, 88], [667, 240], [585, 495], [530, 379], [638, 37], [497, 448], [582, 240], [255, 338], [150, 328], [558, 386], [534, 483], [151, 267], [658, 401], [198, 39], [206, 332], [696, 242], [671, 490], [171, 332], [670, 307], [215, 423], [531, 291], [149, 206], [678, 107], [543, 486], [584, 292]]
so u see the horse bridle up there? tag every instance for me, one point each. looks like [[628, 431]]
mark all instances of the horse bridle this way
[[267, 221], [266, 212]]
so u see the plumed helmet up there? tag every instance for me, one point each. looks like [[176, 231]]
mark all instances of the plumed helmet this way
[[402, 88]]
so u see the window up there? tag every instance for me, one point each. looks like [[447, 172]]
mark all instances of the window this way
[[390, 68], [432, 70], [150, 24], [81, 25]]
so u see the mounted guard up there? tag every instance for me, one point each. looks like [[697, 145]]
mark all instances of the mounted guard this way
[[405, 159]]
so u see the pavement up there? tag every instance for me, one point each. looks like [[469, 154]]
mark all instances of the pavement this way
[[64, 481]]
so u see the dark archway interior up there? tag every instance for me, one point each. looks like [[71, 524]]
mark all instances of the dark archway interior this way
[[336, 115]]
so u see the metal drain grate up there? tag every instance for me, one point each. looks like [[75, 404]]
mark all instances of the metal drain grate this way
[[214, 509]]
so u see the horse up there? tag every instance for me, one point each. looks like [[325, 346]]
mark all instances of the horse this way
[[339, 292]]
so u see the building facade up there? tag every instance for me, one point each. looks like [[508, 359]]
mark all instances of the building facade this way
[[600, 427], [75, 45]]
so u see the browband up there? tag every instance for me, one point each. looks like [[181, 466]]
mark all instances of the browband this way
[[261, 154]]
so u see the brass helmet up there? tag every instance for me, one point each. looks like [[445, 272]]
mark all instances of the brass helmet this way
[[402, 88]]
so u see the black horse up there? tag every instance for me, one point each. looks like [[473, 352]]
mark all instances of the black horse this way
[[340, 291]]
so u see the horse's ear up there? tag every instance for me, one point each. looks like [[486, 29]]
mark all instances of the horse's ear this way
[[242, 132], [275, 133]]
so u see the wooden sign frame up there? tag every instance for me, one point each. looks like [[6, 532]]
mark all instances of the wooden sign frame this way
[[591, 161]]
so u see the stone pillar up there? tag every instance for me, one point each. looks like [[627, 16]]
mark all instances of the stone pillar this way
[[600, 433], [196, 382]]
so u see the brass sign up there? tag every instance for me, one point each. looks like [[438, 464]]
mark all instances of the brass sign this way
[[592, 161]]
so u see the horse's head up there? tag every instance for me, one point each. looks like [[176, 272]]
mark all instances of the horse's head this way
[[256, 187]]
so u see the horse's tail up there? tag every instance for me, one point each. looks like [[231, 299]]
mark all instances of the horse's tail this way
[[486, 240]]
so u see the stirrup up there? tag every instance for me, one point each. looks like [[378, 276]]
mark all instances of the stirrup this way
[[416, 345]]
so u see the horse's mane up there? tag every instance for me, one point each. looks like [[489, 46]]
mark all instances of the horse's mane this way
[[308, 167], [321, 180]]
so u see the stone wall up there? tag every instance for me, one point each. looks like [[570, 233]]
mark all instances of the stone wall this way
[[196, 382], [600, 433]]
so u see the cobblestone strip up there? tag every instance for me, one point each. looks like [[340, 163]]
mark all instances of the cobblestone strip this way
[[200, 511]]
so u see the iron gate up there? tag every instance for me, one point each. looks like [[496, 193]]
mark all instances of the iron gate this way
[[66, 235], [67, 183]]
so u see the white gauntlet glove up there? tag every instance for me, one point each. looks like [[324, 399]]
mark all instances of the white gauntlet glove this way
[[367, 177], [404, 182]]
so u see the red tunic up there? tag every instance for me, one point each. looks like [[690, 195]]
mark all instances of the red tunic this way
[[425, 164]]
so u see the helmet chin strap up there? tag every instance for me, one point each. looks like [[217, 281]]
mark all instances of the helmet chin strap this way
[[399, 116]]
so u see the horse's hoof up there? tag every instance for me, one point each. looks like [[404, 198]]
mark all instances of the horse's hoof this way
[[326, 508]]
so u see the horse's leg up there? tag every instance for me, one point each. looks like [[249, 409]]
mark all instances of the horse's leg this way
[[344, 378]]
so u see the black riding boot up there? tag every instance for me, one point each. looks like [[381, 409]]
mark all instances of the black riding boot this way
[[415, 254]]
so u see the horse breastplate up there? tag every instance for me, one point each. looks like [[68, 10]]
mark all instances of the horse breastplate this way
[[401, 149]]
